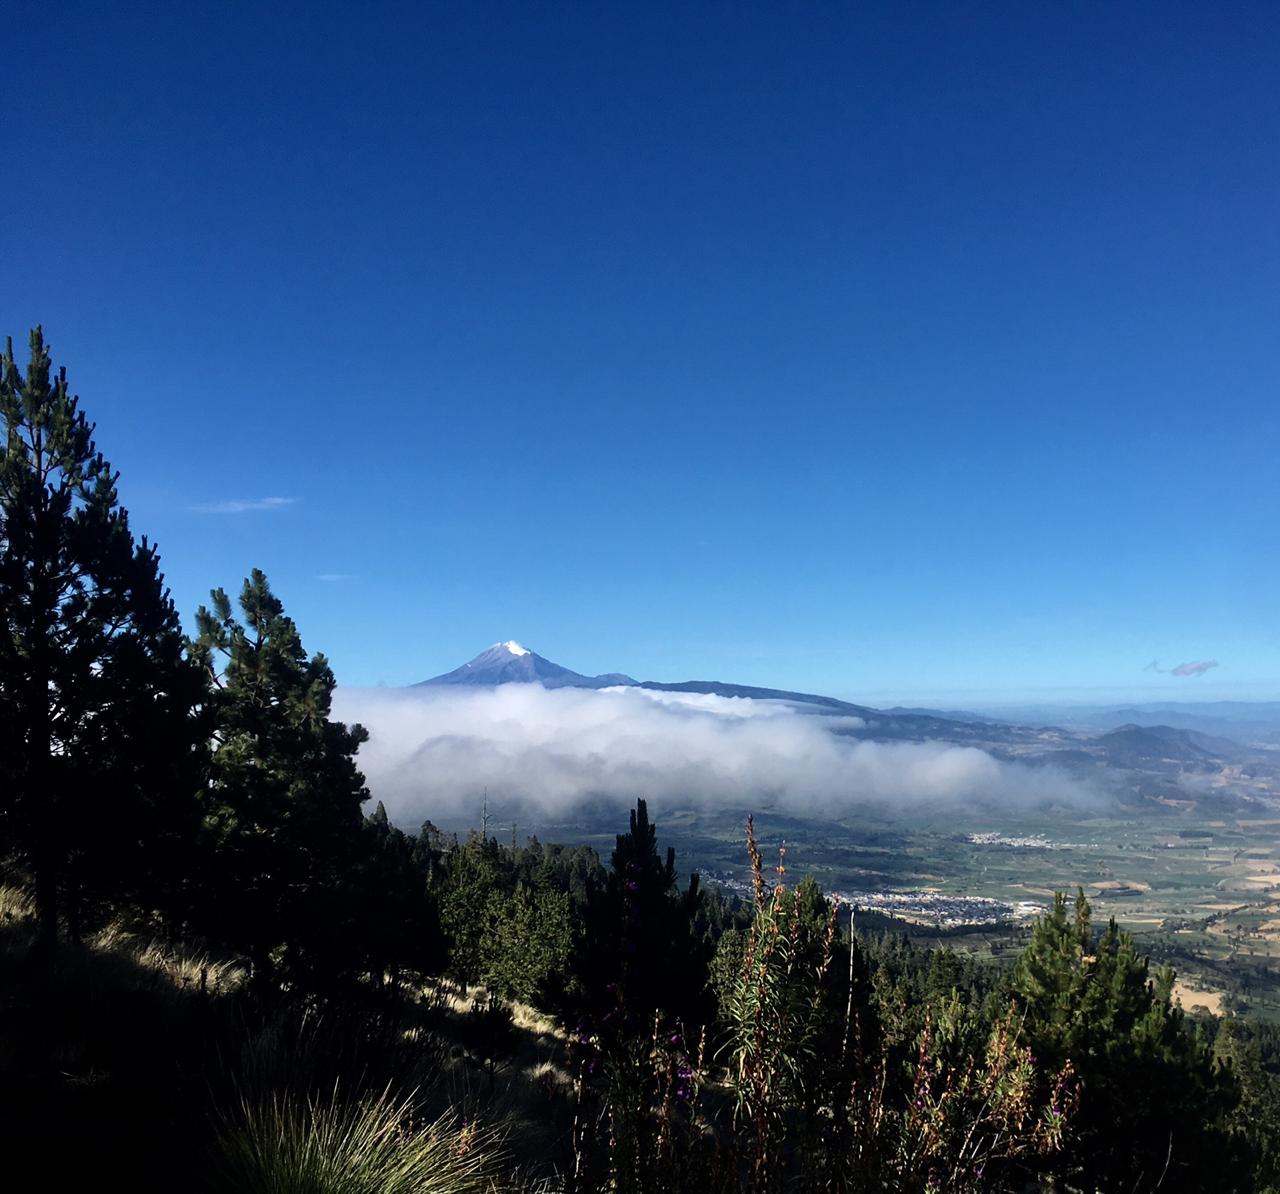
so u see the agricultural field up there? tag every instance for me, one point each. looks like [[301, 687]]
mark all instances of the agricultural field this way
[[1198, 890]]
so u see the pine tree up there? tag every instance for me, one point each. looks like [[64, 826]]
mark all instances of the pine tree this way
[[638, 953], [473, 876], [1050, 974], [527, 941], [1153, 1104], [97, 737], [285, 793]]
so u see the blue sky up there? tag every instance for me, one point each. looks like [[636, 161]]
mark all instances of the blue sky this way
[[887, 350]]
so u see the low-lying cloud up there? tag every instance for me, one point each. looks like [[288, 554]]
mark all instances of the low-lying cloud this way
[[431, 753]]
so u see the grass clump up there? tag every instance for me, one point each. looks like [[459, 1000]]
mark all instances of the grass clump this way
[[288, 1144]]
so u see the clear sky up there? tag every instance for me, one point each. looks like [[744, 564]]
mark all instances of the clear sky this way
[[878, 349]]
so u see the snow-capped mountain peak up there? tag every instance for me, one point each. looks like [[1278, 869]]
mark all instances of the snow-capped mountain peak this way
[[510, 663]]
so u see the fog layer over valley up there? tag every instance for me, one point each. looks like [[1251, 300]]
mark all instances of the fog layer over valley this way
[[432, 751]]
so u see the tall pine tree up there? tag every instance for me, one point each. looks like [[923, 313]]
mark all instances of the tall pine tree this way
[[97, 736], [639, 952], [284, 817]]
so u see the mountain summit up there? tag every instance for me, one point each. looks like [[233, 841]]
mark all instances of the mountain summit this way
[[510, 663]]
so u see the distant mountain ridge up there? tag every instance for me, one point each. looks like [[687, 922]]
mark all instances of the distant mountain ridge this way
[[1136, 744], [719, 688], [1256, 722]]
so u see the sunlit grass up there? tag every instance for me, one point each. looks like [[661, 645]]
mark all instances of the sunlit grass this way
[[287, 1144], [16, 907], [180, 967]]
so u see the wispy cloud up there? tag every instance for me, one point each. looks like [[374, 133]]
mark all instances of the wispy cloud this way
[[552, 752], [334, 578], [243, 505], [1195, 668]]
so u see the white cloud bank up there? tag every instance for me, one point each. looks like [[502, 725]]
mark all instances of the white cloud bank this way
[[432, 751]]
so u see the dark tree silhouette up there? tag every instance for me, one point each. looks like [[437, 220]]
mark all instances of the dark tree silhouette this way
[[97, 730], [286, 832], [639, 952]]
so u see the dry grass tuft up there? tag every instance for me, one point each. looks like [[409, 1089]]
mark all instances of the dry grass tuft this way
[[16, 908], [371, 1145]]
